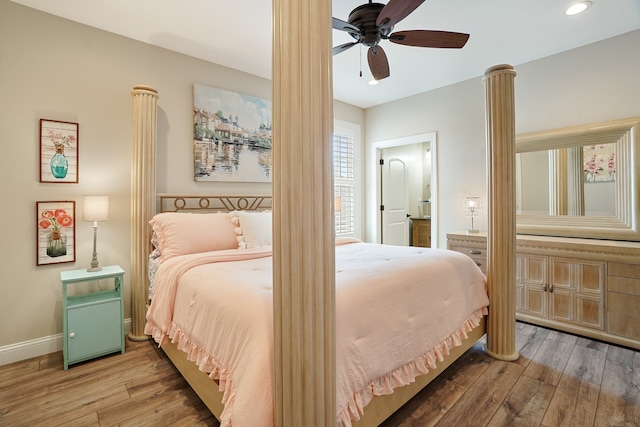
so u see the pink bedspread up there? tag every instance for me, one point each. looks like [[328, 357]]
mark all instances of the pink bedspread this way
[[398, 311]]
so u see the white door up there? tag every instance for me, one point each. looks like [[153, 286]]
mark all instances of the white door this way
[[395, 202]]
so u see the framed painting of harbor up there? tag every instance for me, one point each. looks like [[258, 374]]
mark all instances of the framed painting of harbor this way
[[231, 136]]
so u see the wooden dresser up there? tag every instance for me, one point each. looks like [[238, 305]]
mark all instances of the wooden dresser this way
[[421, 234], [584, 286]]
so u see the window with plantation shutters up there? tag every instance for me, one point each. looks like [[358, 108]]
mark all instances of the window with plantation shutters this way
[[346, 173]]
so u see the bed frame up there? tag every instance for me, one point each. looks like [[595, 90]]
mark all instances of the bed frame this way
[[379, 409]]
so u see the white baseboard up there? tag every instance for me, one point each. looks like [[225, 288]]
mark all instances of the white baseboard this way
[[40, 346]]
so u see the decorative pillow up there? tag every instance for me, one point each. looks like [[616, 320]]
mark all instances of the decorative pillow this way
[[188, 233], [253, 228], [152, 269]]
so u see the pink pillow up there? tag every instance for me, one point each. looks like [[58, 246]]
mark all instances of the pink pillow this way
[[188, 233]]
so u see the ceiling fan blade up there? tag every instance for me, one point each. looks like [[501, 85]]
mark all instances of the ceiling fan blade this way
[[341, 25], [395, 11], [378, 63], [430, 38], [343, 47]]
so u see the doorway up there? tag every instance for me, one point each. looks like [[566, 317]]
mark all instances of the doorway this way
[[377, 226]]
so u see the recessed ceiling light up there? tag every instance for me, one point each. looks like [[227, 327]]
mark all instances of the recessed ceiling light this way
[[576, 8]]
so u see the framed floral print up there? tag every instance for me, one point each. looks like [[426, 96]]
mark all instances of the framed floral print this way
[[58, 151], [600, 162], [56, 232]]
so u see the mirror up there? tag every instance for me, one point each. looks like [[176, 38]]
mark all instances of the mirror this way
[[579, 181]]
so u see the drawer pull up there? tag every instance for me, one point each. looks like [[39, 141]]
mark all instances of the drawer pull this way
[[550, 288], [72, 335], [544, 287], [478, 263], [475, 252]]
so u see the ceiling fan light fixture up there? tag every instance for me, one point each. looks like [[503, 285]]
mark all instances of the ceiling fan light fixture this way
[[373, 82], [577, 8]]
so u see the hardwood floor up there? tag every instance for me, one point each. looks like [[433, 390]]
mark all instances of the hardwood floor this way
[[559, 380], [138, 388]]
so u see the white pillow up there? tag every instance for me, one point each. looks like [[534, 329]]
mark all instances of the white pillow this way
[[253, 228]]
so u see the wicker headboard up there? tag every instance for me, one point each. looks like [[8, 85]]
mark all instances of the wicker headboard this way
[[202, 203]]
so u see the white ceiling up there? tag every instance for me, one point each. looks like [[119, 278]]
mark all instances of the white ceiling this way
[[237, 34]]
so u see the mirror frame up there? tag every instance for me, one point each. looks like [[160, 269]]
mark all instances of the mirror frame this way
[[622, 226]]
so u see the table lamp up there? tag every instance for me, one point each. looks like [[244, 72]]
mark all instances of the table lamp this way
[[95, 208], [472, 205]]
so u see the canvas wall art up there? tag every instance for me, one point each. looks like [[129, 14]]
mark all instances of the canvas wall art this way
[[56, 232], [58, 151], [231, 136]]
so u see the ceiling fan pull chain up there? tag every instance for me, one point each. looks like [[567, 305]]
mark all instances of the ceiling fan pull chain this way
[[360, 60]]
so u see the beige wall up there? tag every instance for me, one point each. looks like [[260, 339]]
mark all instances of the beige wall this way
[[57, 69], [594, 83]]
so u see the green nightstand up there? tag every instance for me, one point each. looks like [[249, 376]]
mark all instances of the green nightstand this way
[[92, 323]]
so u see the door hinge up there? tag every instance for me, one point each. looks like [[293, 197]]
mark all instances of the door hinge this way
[[381, 207], [381, 162]]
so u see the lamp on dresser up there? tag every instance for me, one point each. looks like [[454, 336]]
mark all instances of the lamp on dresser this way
[[95, 208], [472, 206]]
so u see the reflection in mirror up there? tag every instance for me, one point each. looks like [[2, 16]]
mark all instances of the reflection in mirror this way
[[581, 181], [576, 181]]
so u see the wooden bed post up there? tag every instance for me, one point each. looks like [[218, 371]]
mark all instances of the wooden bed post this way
[[501, 236], [143, 201], [303, 228]]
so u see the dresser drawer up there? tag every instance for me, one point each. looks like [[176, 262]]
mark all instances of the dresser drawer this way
[[624, 270], [623, 300], [626, 304], [623, 326], [624, 285], [479, 255], [623, 310]]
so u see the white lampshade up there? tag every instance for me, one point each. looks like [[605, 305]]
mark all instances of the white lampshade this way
[[95, 208]]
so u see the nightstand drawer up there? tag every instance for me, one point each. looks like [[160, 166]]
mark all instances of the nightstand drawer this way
[[479, 255]]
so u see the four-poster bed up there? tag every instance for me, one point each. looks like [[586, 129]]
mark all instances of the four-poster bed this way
[[301, 161], [401, 311]]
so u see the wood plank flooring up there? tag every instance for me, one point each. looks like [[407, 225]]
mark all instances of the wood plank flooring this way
[[559, 380]]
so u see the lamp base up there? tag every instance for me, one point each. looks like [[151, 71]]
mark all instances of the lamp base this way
[[95, 265], [472, 231]]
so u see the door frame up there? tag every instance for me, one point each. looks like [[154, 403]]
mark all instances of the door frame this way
[[373, 183]]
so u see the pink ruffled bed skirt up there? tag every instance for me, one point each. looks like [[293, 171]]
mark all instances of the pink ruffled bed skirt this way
[[381, 386]]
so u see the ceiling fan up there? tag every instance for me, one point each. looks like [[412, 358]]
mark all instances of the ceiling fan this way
[[372, 22]]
